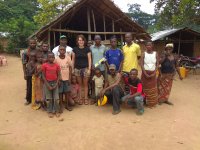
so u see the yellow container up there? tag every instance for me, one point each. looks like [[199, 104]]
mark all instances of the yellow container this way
[[183, 72]]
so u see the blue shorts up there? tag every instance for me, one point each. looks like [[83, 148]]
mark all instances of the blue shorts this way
[[64, 86]]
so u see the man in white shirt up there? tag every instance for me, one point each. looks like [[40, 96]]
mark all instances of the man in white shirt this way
[[63, 42]]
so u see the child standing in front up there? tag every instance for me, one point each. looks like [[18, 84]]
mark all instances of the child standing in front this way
[[51, 76], [64, 61], [38, 82], [98, 80]]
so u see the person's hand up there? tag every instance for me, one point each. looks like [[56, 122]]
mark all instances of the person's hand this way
[[89, 72], [50, 87], [59, 82], [72, 71], [146, 75], [25, 77]]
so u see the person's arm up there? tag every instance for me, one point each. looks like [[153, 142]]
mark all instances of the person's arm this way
[[114, 84], [73, 61], [138, 52], [157, 65], [139, 91], [142, 65], [89, 62], [121, 61], [24, 62], [177, 69]]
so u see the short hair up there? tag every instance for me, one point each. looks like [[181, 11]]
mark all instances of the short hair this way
[[82, 37], [45, 42], [134, 70], [129, 33], [97, 36], [97, 69], [51, 53], [149, 41], [61, 46], [113, 37]]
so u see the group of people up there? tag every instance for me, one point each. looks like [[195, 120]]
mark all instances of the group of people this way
[[54, 79]]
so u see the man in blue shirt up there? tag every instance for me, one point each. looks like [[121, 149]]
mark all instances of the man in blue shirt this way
[[114, 55]]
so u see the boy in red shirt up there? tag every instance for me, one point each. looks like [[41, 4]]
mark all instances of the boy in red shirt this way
[[51, 76], [136, 95]]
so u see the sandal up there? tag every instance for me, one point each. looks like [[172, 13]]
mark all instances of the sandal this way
[[80, 102]]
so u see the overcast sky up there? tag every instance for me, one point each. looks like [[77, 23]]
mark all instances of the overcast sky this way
[[145, 5]]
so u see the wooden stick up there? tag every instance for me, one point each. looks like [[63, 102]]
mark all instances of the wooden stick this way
[[89, 25], [104, 26], [93, 17], [88, 32], [113, 25], [54, 39]]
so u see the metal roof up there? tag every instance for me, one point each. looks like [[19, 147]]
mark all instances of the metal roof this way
[[161, 34]]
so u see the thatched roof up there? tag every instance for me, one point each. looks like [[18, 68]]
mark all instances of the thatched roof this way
[[73, 18]]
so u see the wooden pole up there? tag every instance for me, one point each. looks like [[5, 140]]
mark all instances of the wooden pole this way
[[113, 25], [49, 40], [93, 17], [179, 43], [54, 39], [122, 42], [89, 24], [104, 26]]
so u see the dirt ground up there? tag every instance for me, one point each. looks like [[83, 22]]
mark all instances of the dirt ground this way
[[90, 127]]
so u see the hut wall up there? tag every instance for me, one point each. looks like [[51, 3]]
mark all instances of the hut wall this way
[[159, 46], [197, 48]]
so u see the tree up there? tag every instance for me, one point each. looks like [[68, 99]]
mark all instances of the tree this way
[[146, 20], [177, 13], [17, 20], [50, 9]]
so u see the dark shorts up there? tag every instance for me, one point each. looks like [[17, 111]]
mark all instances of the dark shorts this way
[[64, 87]]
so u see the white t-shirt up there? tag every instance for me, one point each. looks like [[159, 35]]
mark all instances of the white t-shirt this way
[[68, 51]]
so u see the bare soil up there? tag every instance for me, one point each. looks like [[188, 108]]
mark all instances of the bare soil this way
[[90, 127]]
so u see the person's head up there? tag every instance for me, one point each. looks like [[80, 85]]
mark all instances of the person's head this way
[[45, 47], [169, 48], [89, 43], [62, 50], [133, 74], [149, 46], [39, 57], [97, 72], [63, 40], [32, 56], [113, 42], [112, 69], [128, 38], [50, 57], [74, 81], [32, 43], [97, 39], [81, 41]]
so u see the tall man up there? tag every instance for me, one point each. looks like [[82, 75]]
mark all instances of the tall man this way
[[98, 52], [63, 42], [132, 53]]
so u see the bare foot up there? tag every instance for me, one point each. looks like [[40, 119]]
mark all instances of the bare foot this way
[[57, 115], [50, 115]]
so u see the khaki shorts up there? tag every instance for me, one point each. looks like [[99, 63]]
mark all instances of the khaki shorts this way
[[81, 72]]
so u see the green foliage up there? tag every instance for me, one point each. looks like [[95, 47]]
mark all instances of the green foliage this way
[[17, 19], [178, 13], [147, 21], [50, 9]]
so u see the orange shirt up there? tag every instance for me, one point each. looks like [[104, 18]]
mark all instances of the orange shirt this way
[[64, 67]]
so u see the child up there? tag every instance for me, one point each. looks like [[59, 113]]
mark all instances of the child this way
[[51, 76], [114, 55], [28, 78], [30, 69], [64, 61], [98, 80], [38, 82], [136, 95], [75, 90]]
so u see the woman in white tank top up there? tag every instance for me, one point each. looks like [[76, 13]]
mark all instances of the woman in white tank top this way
[[149, 65]]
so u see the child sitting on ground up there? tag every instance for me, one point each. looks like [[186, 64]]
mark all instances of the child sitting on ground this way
[[51, 77], [65, 63], [98, 82], [75, 90]]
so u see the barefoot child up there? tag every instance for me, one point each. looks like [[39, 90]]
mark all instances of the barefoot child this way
[[51, 76], [75, 90], [38, 82], [64, 61], [98, 82]]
